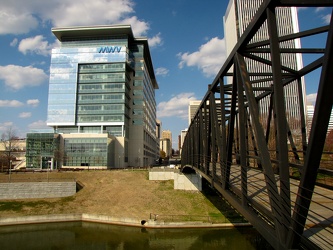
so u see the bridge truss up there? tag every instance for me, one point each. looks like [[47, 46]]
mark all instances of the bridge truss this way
[[229, 137]]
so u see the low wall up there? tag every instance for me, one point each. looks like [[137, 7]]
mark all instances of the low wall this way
[[190, 182], [26, 190], [150, 223], [161, 174]]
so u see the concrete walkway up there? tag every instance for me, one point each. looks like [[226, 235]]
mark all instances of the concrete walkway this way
[[320, 218], [34, 219]]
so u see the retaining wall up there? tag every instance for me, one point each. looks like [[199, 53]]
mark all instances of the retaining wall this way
[[161, 174], [33, 219], [25, 190], [190, 182]]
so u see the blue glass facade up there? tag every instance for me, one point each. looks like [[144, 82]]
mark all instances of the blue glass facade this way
[[64, 78], [102, 82]]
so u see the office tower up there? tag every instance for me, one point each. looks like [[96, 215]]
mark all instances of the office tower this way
[[166, 142], [166, 134], [238, 15], [182, 138], [309, 112], [101, 99], [192, 109]]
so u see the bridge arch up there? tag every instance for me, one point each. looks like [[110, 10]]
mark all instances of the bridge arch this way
[[187, 169]]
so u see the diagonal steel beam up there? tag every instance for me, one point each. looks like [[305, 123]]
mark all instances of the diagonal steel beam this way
[[317, 138], [272, 189], [281, 120], [242, 138], [291, 37]]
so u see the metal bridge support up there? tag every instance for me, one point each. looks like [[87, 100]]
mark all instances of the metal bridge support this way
[[237, 147]]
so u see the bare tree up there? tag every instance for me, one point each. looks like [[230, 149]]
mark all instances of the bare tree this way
[[9, 141]]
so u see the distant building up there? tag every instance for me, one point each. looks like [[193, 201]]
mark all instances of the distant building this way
[[310, 112], [164, 144], [192, 109], [12, 153], [101, 101], [182, 138], [166, 134]]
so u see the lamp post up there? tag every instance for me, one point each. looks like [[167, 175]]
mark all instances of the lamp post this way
[[48, 169], [10, 169]]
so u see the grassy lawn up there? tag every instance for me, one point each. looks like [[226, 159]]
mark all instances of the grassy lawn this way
[[123, 194]]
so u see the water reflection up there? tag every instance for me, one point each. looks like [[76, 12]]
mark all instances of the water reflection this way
[[84, 235]]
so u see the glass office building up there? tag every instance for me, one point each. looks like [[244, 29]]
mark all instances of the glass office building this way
[[40, 149], [102, 98]]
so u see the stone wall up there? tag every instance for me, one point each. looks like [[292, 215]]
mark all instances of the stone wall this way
[[25, 190]]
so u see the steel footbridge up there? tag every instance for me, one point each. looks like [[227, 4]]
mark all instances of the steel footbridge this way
[[266, 165]]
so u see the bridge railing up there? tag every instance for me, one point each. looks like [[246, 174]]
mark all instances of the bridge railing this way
[[246, 121]]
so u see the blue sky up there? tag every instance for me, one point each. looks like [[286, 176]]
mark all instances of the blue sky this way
[[186, 40]]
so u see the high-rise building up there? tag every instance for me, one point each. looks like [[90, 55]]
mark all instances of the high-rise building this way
[[238, 15], [102, 98], [192, 109], [166, 134], [166, 142], [166, 147], [182, 138], [310, 112]]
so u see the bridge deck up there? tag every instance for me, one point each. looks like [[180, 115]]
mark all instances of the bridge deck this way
[[319, 224]]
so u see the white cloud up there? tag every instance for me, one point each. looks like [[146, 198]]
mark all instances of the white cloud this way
[[37, 45], [88, 12], [33, 102], [318, 9], [38, 125], [5, 125], [177, 106], [209, 58], [14, 21], [139, 28], [14, 42], [17, 77], [25, 115], [161, 71], [17, 16], [327, 18], [311, 99], [10, 103], [155, 41]]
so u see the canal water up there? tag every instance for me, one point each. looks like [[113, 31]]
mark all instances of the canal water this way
[[85, 235]]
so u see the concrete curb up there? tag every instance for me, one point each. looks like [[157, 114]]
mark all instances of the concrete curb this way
[[105, 219]]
